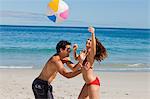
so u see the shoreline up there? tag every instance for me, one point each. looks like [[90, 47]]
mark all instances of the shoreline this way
[[96, 70], [17, 84]]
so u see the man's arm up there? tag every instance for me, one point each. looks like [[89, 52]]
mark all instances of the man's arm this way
[[71, 65], [74, 67], [64, 71]]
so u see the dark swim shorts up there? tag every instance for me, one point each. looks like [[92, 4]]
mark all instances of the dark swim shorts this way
[[41, 89]]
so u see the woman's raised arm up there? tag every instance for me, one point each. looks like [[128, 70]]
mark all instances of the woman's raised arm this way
[[93, 45]]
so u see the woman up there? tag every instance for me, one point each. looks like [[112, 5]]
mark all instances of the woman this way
[[94, 51]]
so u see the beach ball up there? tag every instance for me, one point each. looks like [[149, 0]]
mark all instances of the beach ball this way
[[57, 11]]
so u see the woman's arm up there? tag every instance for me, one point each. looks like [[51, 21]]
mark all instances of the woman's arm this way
[[93, 45], [75, 47]]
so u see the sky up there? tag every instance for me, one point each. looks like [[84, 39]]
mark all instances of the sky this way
[[101, 13]]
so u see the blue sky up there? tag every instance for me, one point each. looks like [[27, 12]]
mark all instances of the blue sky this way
[[102, 13]]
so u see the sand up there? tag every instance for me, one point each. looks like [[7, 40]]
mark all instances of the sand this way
[[16, 84]]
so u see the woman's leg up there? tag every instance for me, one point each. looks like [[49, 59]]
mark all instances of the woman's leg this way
[[84, 93], [94, 92]]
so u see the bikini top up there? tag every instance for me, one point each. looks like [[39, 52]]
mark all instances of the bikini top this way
[[84, 58]]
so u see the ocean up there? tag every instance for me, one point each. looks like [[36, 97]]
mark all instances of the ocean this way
[[31, 46]]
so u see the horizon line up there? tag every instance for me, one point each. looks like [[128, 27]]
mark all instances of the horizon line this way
[[74, 27]]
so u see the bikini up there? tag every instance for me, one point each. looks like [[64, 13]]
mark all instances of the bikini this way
[[95, 82]]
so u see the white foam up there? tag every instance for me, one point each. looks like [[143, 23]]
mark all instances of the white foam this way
[[16, 67], [124, 69], [135, 65]]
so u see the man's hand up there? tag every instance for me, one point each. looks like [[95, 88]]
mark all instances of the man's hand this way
[[66, 59], [87, 66], [63, 71]]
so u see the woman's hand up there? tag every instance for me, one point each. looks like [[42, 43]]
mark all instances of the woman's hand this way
[[75, 47], [82, 57], [91, 29]]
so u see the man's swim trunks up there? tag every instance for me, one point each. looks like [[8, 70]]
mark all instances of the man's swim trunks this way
[[41, 89]]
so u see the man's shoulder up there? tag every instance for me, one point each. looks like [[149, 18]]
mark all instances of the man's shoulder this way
[[55, 59]]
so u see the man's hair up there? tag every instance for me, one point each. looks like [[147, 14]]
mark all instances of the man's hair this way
[[62, 44]]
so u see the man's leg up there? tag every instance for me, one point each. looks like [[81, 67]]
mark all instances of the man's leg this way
[[39, 89], [49, 93]]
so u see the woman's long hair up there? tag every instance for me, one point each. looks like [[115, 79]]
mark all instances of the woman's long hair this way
[[101, 52]]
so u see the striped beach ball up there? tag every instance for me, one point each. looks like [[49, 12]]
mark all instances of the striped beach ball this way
[[57, 10]]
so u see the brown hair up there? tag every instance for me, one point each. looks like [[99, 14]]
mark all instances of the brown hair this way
[[101, 52], [62, 44]]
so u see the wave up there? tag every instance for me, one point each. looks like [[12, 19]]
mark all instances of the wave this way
[[123, 65], [145, 69], [16, 67], [135, 65], [18, 49], [124, 69]]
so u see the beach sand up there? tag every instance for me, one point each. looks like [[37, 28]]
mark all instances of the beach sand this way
[[16, 84]]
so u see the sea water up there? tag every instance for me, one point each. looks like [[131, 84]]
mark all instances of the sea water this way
[[31, 46]]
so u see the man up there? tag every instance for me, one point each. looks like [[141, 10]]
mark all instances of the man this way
[[41, 86]]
